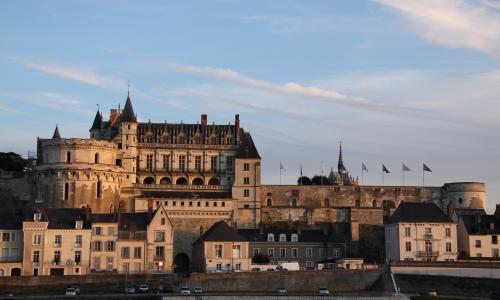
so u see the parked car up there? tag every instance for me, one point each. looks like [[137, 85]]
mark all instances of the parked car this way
[[288, 266], [255, 269], [185, 291], [270, 270], [129, 290], [431, 293], [70, 292], [281, 291], [77, 288], [8, 295], [324, 291], [143, 288], [154, 291], [198, 290]]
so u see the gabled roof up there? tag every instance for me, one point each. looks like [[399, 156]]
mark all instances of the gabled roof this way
[[247, 147], [128, 112], [65, 218], [221, 232], [414, 212], [481, 224]]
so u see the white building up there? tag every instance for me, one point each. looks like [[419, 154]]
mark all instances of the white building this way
[[420, 232], [478, 234]]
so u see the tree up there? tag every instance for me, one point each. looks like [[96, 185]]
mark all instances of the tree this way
[[321, 180], [11, 161], [304, 180], [260, 258]]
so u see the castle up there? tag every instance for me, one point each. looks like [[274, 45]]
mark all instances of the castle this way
[[203, 173]]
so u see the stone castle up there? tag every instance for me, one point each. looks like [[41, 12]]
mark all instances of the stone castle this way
[[203, 173]]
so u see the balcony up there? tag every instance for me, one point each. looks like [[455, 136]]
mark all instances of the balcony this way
[[427, 254], [78, 245], [179, 187], [11, 259], [159, 257], [428, 236]]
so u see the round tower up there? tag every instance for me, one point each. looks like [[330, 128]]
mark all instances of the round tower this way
[[465, 194]]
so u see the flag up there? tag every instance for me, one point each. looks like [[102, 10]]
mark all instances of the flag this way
[[426, 168], [384, 169], [281, 167], [363, 167], [405, 168]]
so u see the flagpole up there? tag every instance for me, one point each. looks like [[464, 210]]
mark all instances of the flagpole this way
[[383, 177], [423, 175], [362, 174]]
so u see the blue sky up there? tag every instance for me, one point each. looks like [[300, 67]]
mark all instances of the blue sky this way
[[395, 80]]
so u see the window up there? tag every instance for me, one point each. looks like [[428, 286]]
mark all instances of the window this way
[[149, 162], [137, 252], [478, 255], [309, 252], [408, 246], [282, 237], [78, 256], [270, 252], [246, 193], [160, 252], [407, 231], [295, 252], [256, 251], [79, 225], [109, 263], [197, 163], [78, 240], [66, 191], [229, 163], [126, 267], [448, 232], [282, 252], [97, 246], [166, 162], [162, 221], [125, 252], [37, 217], [97, 230], [246, 180], [111, 230], [96, 158], [68, 157], [57, 256], [448, 247], [99, 189], [336, 252], [97, 263], [110, 246], [428, 231], [5, 237], [36, 256], [270, 237], [494, 252], [478, 243], [321, 252], [137, 267], [238, 266], [494, 239], [159, 236], [218, 267], [295, 237], [236, 251], [218, 251], [182, 162], [246, 167], [58, 240], [213, 163], [37, 239]]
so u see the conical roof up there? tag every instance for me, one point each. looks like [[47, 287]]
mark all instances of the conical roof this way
[[128, 112], [56, 134], [97, 121]]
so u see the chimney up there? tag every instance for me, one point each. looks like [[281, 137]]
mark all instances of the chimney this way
[[237, 121], [261, 229], [204, 120], [201, 230], [88, 211], [150, 209]]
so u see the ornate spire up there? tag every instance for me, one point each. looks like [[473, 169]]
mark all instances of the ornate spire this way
[[128, 112], [340, 165], [56, 134], [97, 120]]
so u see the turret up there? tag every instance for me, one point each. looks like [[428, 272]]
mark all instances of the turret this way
[[56, 134], [96, 125], [128, 129]]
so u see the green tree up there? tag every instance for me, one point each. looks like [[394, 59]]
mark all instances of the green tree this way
[[321, 180], [304, 180]]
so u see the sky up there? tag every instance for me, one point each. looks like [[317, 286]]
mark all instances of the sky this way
[[397, 81]]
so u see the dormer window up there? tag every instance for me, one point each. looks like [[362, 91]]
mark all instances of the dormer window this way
[[282, 237], [492, 226], [270, 237], [295, 237], [79, 225], [37, 217]]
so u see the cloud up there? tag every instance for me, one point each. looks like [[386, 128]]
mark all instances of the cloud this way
[[468, 24], [76, 73], [11, 110]]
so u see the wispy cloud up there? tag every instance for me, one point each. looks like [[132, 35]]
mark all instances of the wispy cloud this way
[[469, 24], [77, 73], [11, 110]]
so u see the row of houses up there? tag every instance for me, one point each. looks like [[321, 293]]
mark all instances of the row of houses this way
[[423, 232], [67, 241]]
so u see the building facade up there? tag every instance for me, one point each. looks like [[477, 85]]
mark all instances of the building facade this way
[[420, 232], [478, 235], [11, 245]]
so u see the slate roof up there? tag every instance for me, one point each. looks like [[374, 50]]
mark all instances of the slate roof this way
[[103, 218], [221, 232], [56, 134], [480, 224], [418, 213], [97, 121], [128, 112], [11, 222], [65, 218], [247, 147], [136, 221], [305, 236]]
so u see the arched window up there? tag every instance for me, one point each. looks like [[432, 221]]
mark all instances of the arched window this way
[[99, 189], [213, 181], [96, 158], [181, 181], [149, 180], [327, 202], [270, 237], [269, 202], [295, 237], [197, 181], [294, 202], [282, 237], [68, 157], [374, 203], [165, 180], [66, 191]]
